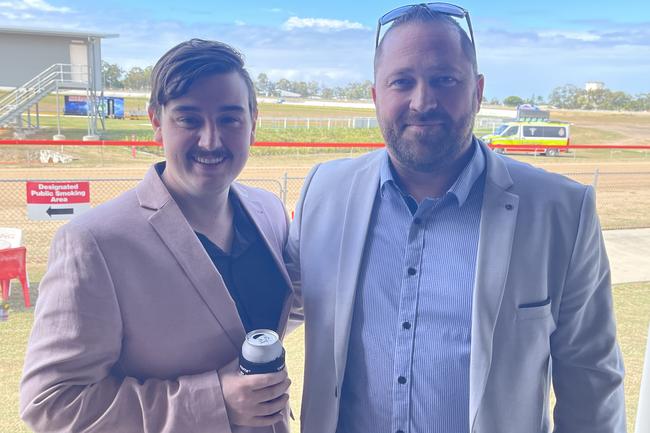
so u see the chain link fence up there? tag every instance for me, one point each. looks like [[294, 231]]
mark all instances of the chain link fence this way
[[316, 122], [623, 200]]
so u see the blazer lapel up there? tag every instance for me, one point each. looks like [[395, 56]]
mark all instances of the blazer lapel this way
[[498, 221], [265, 227], [358, 210], [273, 243], [168, 221]]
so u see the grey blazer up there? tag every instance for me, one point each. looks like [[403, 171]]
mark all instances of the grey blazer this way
[[133, 320], [540, 243]]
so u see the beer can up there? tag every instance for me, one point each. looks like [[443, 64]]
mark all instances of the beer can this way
[[261, 352]]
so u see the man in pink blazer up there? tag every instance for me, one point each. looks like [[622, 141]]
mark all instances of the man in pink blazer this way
[[147, 298]]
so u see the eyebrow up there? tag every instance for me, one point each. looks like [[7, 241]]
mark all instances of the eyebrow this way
[[191, 108]]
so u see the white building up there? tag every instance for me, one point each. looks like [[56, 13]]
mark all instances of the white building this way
[[37, 62], [590, 86]]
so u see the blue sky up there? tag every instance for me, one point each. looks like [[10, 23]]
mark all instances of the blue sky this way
[[524, 48]]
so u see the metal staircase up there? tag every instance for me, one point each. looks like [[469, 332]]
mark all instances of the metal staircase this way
[[56, 77]]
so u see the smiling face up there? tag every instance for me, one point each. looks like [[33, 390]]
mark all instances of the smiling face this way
[[426, 95], [206, 134]]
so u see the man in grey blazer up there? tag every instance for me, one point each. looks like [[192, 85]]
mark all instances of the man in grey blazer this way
[[147, 298], [444, 286]]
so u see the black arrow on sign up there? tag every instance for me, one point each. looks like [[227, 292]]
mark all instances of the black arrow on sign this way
[[60, 211]]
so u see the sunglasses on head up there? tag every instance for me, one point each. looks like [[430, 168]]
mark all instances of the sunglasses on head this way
[[443, 8]]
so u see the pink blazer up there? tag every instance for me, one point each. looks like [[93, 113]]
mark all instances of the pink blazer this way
[[133, 320]]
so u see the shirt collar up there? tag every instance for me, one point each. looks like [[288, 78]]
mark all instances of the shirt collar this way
[[461, 187]]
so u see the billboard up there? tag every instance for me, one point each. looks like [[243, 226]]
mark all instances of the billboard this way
[[112, 107]]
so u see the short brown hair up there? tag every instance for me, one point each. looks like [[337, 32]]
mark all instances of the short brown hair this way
[[188, 61]]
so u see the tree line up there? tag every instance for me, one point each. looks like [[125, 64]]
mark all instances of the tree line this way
[[572, 97], [567, 96], [138, 79], [576, 98]]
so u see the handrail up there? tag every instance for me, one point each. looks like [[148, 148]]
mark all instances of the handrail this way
[[58, 73], [56, 69]]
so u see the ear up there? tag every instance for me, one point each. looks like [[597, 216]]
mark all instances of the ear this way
[[253, 127], [155, 124], [480, 84], [373, 93]]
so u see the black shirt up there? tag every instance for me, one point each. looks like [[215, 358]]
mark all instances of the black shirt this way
[[250, 273]]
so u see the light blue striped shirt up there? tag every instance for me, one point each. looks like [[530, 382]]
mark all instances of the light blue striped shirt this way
[[409, 349]]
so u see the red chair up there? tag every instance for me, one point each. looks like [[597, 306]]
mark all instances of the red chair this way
[[12, 265]]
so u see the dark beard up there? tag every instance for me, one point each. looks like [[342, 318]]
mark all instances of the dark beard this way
[[438, 149]]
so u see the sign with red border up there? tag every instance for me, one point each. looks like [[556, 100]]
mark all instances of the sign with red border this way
[[57, 200]]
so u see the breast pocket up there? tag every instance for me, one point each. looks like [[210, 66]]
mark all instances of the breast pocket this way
[[534, 310]]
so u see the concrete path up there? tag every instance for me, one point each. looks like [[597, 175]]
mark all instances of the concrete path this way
[[629, 254]]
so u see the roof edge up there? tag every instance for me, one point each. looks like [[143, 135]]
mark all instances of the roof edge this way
[[54, 32]]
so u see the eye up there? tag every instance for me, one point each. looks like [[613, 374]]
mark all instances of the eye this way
[[230, 120], [401, 83], [188, 121], [445, 81]]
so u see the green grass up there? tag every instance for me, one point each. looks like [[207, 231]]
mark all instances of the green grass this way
[[631, 303], [632, 308], [587, 127]]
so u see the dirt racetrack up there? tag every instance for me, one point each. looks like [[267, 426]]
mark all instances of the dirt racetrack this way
[[623, 187]]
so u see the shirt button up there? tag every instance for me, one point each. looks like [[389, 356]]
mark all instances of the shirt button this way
[[401, 380], [399, 431], [406, 325], [412, 271], [417, 221]]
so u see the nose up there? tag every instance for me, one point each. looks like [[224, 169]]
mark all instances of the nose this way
[[210, 137], [423, 98]]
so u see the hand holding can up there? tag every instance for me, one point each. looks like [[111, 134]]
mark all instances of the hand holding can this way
[[255, 399]]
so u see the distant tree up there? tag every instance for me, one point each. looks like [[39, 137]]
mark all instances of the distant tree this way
[[283, 84], [594, 99], [327, 93], [641, 102], [147, 76], [357, 90], [494, 101], [112, 75], [299, 87], [619, 101], [262, 84], [138, 78], [566, 96], [513, 101], [339, 92], [313, 88]]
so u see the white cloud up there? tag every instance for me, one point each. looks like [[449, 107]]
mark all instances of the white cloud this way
[[579, 36], [33, 5], [322, 74], [240, 23], [15, 17], [321, 24]]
